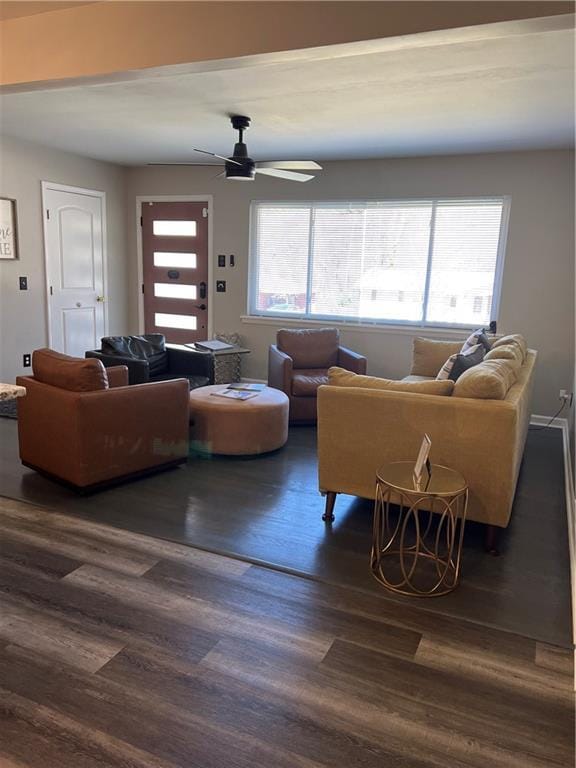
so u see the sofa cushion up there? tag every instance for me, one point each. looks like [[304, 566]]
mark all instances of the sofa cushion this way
[[310, 348], [429, 355], [76, 374], [306, 381], [150, 347], [489, 380], [455, 366], [506, 352], [513, 338], [411, 377], [339, 377]]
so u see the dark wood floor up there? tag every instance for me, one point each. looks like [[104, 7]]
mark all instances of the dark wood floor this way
[[123, 651], [268, 510]]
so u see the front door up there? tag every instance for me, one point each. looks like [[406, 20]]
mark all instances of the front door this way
[[175, 269], [75, 268]]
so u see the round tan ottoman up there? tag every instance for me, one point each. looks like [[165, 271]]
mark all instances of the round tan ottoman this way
[[238, 427]]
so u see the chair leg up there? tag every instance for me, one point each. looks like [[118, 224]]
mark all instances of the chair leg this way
[[328, 515], [491, 540]]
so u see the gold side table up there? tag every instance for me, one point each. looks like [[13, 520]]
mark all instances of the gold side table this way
[[418, 531]]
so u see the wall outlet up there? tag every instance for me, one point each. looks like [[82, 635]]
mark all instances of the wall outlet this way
[[26, 360], [566, 397]]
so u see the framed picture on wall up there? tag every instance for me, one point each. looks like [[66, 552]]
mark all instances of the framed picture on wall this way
[[8, 229]]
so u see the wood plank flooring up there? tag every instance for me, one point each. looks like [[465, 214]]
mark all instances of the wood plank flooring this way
[[118, 650], [267, 510]]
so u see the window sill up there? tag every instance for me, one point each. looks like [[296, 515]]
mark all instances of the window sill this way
[[431, 331]]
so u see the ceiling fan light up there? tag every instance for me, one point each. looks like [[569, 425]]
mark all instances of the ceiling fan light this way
[[243, 172]]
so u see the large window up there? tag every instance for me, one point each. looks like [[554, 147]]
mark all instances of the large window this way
[[435, 262]]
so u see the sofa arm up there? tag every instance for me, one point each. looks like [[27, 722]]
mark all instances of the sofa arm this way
[[117, 376], [351, 361], [359, 430], [131, 429], [138, 370], [279, 370], [191, 362]]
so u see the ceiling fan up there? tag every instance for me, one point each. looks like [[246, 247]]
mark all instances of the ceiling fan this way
[[241, 167]]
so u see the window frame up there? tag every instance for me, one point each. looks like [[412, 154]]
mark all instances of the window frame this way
[[255, 314]]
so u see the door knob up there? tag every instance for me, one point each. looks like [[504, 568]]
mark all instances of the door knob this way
[[100, 298], [202, 306]]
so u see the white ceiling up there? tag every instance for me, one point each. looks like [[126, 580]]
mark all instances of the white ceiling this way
[[499, 87]]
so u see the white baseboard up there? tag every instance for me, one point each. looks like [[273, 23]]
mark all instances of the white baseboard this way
[[547, 421]]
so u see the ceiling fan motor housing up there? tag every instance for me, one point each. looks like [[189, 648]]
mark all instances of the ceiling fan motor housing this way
[[246, 171]]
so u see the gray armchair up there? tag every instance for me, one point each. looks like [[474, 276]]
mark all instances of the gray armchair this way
[[298, 364]]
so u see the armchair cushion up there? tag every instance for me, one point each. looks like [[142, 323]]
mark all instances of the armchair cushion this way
[[150, 347], [310, 348], [70, 373], [305, 381]]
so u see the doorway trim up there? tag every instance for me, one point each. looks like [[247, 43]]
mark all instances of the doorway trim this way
[[50, 185], [209, 199]]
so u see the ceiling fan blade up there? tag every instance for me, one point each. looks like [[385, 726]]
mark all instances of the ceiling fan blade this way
[[291, 165], [213, 154], [290, 175], [194, 165]]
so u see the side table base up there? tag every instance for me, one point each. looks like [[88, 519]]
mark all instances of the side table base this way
[[417, 551]]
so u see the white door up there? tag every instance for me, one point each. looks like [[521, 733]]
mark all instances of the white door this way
[[74, 268]]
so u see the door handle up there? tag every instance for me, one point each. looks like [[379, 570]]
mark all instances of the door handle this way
[[202, 306], [202, 290], [100, 298]]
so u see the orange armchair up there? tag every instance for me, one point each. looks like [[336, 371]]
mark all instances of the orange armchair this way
[[298, 364], [81, 424]]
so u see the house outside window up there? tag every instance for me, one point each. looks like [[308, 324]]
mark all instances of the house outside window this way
[[427, 262]]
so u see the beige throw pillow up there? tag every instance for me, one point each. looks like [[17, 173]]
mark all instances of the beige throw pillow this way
[[489, 380], [341, 378], [429, 355], [513, 338], [510, 351]]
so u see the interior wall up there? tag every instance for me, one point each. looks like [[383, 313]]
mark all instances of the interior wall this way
[[538, 283], [23, 166]]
